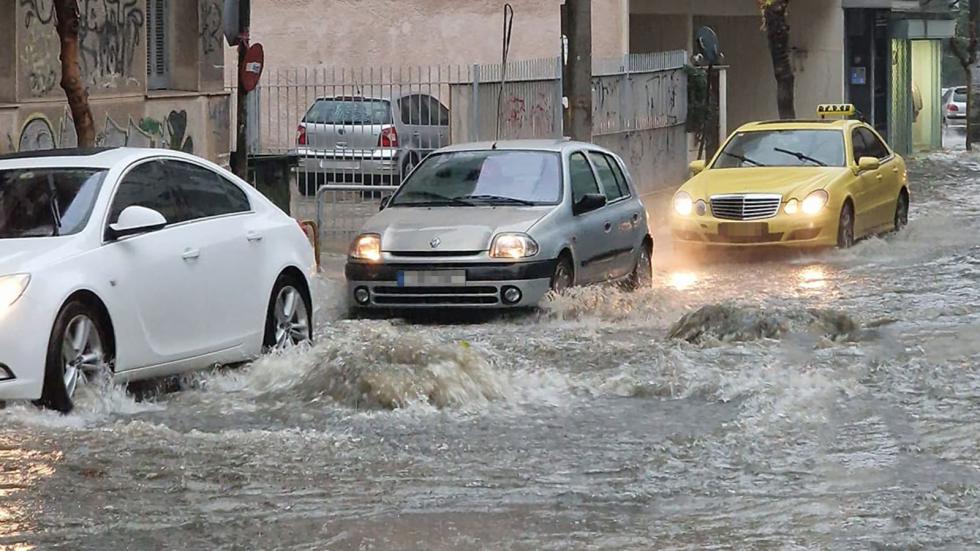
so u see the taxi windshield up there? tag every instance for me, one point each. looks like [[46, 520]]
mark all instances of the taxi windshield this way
[[783, 148], [479, 178]]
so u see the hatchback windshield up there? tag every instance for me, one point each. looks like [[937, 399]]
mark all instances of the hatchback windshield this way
[[783, 148], [473, 178], [349, 111], [46, 202]]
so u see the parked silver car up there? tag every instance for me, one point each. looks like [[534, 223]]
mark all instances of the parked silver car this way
[[954, 105], [370, 140], [499, 225]]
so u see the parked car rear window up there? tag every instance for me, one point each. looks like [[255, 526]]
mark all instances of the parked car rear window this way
[[47, 202], [783, 148], [959, 96], [484, 177], [349, 111]]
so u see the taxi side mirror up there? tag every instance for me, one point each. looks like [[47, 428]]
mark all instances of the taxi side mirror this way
[[868, 163], [697, 167]]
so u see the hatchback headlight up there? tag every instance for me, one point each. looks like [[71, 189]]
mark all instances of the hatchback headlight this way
[[513, 245], [683, 204], [815, 202], [366, 247], [11, 289]]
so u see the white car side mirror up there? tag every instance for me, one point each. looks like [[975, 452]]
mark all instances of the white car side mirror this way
[[136, 220]]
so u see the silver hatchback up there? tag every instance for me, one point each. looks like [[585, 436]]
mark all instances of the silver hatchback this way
[[499, 225], [369, 140]]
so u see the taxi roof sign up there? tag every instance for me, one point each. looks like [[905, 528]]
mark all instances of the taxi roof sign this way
[[836, 110]]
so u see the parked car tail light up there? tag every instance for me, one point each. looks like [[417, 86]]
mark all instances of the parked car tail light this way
[[301, 135], [953, 108], [388, 138]]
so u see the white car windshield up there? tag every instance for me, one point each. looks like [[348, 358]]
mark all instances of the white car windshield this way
[[47, 202], [783, 148], [471, 178]]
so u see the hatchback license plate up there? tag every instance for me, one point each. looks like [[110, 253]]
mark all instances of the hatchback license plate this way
[[431, 278]]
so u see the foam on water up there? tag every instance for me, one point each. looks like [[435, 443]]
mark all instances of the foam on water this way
[[730, 322]]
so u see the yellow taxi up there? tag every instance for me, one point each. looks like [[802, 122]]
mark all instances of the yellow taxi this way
[[805, 183]]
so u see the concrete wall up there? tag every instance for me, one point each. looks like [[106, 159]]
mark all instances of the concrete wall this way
[[816, 36], [192, 115], [364, 33]]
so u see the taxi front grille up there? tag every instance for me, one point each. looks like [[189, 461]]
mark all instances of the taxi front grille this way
[[745, 207]]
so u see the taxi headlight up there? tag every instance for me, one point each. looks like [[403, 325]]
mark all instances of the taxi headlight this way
[[11, 289], [683, 204], [815, 202], [366, 247], [513, 245], [792, 207]]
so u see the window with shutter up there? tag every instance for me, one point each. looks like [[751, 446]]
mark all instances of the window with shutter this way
[[157, 62]]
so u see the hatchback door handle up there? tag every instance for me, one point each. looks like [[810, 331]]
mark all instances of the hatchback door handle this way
[[191, 254], [253, 236]]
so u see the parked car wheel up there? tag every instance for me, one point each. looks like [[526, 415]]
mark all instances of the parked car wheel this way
[[845, 227], [642, 275], [79, 351], [289, 321]]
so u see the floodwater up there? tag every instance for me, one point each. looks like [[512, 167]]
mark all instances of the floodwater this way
[[829, 400]]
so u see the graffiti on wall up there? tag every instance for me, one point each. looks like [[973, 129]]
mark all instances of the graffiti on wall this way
[[38, 133], [211, 26], [110, 34]]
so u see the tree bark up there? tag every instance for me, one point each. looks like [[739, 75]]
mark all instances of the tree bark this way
[[71, 71], [774, 22], [972, 87]]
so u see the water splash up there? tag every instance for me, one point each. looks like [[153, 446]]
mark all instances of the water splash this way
[[730, 322]]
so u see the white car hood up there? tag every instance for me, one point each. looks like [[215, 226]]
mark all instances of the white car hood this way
[[24, 255], [455, 228]]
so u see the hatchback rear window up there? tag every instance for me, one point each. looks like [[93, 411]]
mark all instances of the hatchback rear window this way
[[959, 96], [349, 111]]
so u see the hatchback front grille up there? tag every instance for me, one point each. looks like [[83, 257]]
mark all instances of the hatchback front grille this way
[[745, 207], [432, 296]]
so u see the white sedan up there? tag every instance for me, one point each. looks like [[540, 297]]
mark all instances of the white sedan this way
[[138, 263]]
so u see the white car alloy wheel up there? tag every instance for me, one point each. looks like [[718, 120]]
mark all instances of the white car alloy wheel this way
[[83, 355], [291, 319]]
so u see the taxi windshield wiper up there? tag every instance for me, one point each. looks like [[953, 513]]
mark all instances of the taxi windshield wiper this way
[[742, 158], [799, 155], [498, 199]]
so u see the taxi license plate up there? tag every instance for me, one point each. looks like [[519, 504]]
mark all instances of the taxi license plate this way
[[756, 229], [431, 278]]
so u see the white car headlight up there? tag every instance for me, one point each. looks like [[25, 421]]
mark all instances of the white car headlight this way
[[815, 202], [366, 247], [11, 289], [683, 204], [513, 245]]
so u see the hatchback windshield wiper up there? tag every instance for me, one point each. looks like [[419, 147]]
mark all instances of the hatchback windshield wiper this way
[[498, 199], [436, 199], [742, 158], [799, 155]]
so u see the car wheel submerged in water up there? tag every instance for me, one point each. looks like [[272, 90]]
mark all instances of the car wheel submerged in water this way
[[642, 275], [901, 211], [288, 321], [79, 351], [564, 276], [845, 227]]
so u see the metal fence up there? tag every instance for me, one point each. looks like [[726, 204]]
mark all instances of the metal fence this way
[[356, 133]]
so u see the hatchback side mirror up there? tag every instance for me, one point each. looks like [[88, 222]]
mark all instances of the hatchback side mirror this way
[[135, 220], [590, 202], [697, 167], [868, 163]]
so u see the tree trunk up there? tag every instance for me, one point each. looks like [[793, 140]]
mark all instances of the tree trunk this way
[[774, 22], [972, 73], [71, 71]]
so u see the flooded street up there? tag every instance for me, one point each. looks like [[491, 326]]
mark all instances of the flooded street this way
[[826, 400]]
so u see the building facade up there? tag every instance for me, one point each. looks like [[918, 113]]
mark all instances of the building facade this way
[[154, 70]]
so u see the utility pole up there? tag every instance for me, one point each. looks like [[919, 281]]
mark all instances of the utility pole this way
[[239, 159], [577, 81]]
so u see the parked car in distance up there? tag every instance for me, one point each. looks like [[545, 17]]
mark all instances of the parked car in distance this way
[[136, 263], [367, 140], [499, 225], [954, 105]]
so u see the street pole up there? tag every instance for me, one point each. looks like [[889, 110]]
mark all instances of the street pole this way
[[239, 159], [577, 26]]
